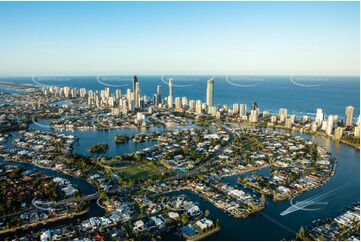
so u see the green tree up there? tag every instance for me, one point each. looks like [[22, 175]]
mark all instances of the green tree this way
[[184, 219], [103, 196], [207, 213], [301, 233]]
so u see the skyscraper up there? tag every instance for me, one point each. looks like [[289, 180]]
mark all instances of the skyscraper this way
[[159, 94], [184, 102], [210, 93], [155, 99], [135, 91], [137, 96], [242, 109], [254, 105], [329, 128], [348, 115], [170, 84], [118, 93], [235, 108], [178, 103], [135, 81], [283, 114], [170, 95], [319, 116], [199, 106], [192, 105]]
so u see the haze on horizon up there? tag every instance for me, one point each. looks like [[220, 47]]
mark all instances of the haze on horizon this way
[[258, 38]]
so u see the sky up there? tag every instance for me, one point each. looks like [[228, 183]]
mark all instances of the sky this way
[[258, 38]]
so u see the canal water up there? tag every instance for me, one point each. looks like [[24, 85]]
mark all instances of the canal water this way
[[341, 191], [84, 187], [88, 138]]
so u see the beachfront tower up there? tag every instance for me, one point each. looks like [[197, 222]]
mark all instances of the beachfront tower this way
[[210, 93]]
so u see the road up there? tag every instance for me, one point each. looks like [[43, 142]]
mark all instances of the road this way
[[89, 197], [212, 158]]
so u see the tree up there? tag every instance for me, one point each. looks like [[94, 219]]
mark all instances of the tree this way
[[321, 238], [207, 213], [301, 233], [184, 219], [103, 196]]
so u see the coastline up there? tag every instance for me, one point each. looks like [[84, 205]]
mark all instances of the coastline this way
[[294, 129]]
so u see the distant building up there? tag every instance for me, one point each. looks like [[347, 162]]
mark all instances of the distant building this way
[[348, 115], [339, 132], [170, 94], [184, 102], [283, 114], [288, 123], [155, 99], [242, 109], [199, 107], [273, 118], [329, 128], [324, 125], [265, 114], [254, 106], [357, 131], [136, 91], [192, 105], [210, 92], [235, 108], [177, 103], [319, 117], [253, 117]]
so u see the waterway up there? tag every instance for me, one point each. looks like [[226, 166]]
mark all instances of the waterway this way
[[84, 187], [88, 138], [343, 190]]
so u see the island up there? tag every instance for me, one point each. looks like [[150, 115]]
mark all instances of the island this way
[[119, 139], [99, 148]]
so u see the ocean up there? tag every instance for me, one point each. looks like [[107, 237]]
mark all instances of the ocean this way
[[300, 95]]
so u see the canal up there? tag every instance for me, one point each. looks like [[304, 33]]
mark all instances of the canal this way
[[342, 189]]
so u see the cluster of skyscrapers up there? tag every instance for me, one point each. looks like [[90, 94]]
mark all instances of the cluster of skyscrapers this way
[[133, 101]]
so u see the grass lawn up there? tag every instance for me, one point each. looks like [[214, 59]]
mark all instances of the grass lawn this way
[[138, 171]]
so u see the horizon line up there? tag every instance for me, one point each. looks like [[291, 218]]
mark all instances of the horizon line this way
[[178, 74]]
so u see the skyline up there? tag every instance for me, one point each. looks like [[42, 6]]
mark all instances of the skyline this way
[[180, 120], [181, 38]]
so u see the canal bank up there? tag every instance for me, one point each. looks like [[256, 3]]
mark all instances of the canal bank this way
[[84, 187], [342, 189]]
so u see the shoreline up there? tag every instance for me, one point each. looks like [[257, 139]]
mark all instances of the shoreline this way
[[202, 236], [293, 130], [44, 222]]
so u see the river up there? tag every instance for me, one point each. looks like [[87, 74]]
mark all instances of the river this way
[[265, 225], [269, 224]]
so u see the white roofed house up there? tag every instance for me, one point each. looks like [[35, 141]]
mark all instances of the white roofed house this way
[[158, 222], [173, 215], [283, 190], [45, 236], [139, 226], [204, 223], [69, 190]]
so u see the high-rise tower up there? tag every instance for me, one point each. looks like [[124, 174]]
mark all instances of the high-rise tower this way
[[159, 94], [348, 115], [170, 95], [210, 93], [135, 91]]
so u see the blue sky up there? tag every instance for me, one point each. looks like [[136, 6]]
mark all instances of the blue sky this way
[[276, 38]]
